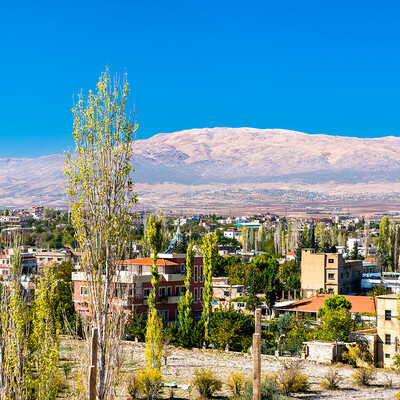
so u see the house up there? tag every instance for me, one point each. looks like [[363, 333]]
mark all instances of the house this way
[[134, 286], [364, 306], [329, 273], [383, 342], [224, 291], [28, 261]]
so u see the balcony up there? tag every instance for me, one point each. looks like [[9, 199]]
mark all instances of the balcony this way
[[170, 299]]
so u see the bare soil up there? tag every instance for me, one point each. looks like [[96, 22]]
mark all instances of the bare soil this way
[[181, 364]]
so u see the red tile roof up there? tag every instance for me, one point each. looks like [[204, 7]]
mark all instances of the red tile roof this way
[[359, 304], [149, 261]]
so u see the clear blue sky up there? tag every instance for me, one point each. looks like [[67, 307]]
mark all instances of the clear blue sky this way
[[313, 66]]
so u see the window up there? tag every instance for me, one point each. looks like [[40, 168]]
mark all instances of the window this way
[[201, 294], [183, 268], [146, 293], [177, 290], [196, 295], [183, 290], [341, 274], [330, 260], [331, 276], [387, 355], [195, 273], [161, 291], [364, 270], [371, 270], [169, 291], [84, 291], [388, 315], [388, 339], [201, 273]]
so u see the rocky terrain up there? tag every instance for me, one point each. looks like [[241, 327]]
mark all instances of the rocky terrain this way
[[227, 165]]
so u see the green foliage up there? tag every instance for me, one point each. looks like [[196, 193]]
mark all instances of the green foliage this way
[[210, 250], [6, 213], [231, 328], [154, 340], [45, 340], [283, 323], [379, 291], [363, 376], [236, 383], [336, 325], [269, 391], [290, 274], [135, 326], [331, 379], [335, 302], [206, 383], [186, 302]]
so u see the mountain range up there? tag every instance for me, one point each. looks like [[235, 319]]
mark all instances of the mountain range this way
[[222, 157]]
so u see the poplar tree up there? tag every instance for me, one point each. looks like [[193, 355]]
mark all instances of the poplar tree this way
[[101, 197], [210, 250], [186, 301], [154, 327], [16, 357]]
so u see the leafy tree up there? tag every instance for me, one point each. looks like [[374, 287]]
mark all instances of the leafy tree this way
[[335, 302], [6, 213], [290, 275], [154, 329], [101, 196], [379, 291], [45, 340], [186, 302], [210, 250], [336, 325], [383, 254], [135, 326]]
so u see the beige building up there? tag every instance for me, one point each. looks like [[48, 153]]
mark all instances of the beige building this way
[[329, 273], [388, 329]]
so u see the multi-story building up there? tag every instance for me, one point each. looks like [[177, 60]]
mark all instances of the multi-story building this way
[[134, 286], [388, 343], [329, 273], [28, 261], [47, 257]]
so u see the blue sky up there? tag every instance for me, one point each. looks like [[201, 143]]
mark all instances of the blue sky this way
[[312, 66]]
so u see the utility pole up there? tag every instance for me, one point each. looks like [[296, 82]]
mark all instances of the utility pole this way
[[93, 365], [257, 356]]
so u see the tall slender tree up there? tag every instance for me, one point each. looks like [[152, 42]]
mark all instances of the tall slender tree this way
[[210, 250], [101, 196], [154, 327], [186, 301]]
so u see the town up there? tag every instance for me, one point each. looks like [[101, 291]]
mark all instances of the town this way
[[326, 288]]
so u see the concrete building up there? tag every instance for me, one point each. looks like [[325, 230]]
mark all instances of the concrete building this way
[[134, 285], [387, 329], [329, 273]]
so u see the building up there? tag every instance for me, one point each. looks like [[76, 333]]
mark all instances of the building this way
[[363, 306], [329, 273], [224, 291], [387, 329], [28, 261], [47, 257], [134, 286]]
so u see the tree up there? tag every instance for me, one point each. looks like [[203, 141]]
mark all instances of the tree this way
[[210, 250], [383, 254], [335, 302], [6, 213], [101, 197], [186, 302], [154, 328]]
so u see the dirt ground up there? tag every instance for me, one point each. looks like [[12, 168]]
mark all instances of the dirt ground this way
[[181, 364]]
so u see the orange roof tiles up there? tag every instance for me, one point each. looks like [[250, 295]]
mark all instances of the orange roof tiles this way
[[149, 261], [359, 304]]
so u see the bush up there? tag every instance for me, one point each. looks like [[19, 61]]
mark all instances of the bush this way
[[150, 383], [290, 379], [206, 383], [236, 383], [331, 379], [134, 385], [363, 377], [358, 356], [269, 391]]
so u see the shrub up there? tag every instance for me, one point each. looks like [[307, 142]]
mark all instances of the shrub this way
[[134, 385], [150, 383], [206, 382], [236, 383], [290, 379], [358, 356], [331, 379], [363, 377], [269, 391]]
